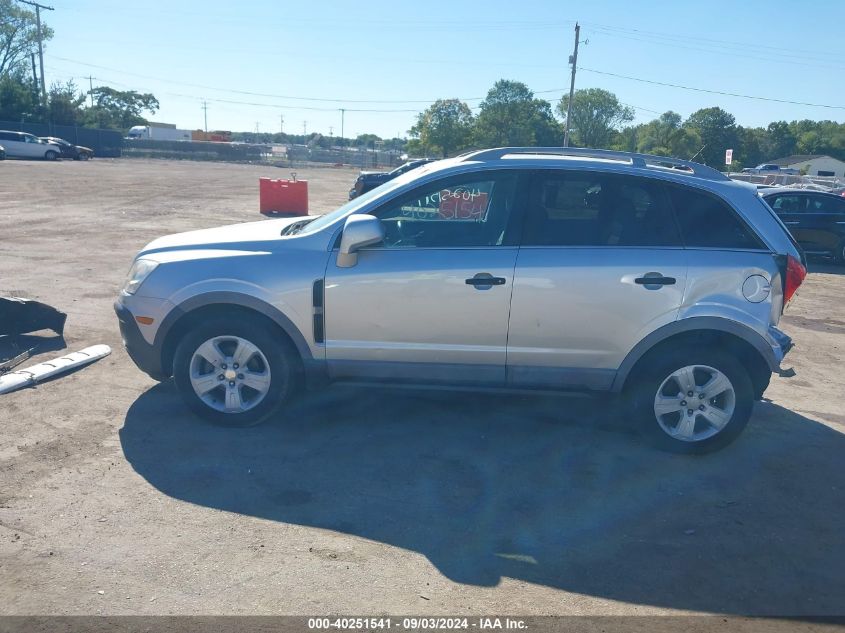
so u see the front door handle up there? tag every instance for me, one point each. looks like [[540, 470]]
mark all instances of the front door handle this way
[[654, 279], [485, 281]]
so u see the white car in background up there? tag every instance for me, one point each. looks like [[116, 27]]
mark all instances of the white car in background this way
[[23, 145]]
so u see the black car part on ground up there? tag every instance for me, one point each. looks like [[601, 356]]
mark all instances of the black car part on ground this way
[[14, 361], [21, 316]]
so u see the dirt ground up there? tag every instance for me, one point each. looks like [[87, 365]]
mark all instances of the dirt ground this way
[[113, 500]]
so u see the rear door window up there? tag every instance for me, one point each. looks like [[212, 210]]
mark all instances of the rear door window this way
[[597, 209], [825, 204], [707, 221]]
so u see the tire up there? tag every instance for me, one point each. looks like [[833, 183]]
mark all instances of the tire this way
[[51, 155], [270, 380], [84, 156], [708, 421], [839, 255]]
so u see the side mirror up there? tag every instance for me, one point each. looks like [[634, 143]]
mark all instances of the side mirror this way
[[359, 231]]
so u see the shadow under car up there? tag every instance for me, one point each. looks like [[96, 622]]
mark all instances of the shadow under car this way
[[548, 490]]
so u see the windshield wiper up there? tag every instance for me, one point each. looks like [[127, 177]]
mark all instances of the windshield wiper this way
[[296, 227]]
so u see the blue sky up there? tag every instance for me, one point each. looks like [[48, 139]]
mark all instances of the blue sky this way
[[255, 61]]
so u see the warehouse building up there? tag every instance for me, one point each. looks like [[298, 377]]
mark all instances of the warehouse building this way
[[812, 164]]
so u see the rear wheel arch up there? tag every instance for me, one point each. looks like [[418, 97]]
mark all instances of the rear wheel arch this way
[[751, 358], [186, 317]]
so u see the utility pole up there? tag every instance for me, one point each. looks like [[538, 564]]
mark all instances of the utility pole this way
[[573, 59], [331, 130], [281, 124], [342, 117], [38, 8], [34, 75], [91, 89], [205, 114], [305, 128]]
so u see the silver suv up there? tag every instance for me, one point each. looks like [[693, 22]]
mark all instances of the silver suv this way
[[512, 268]]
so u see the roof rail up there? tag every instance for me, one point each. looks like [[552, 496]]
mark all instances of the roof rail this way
[[635, 160]]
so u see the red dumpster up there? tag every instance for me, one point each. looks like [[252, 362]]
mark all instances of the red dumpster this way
[[289, 197]]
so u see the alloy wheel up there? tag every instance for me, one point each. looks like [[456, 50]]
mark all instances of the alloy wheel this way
[[229, 374], [694, 403]]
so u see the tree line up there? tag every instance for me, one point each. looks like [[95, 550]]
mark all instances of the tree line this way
[[511, 115]]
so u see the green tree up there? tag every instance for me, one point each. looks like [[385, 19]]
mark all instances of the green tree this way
[[780, 141], [18, 98], [511, 116], [627, 139], [119, 109], [18, 37], [596, 116], [750, 147], [395, 143], [366, 140], [445, 127], [666, 136], [65, 104], [717, 130]]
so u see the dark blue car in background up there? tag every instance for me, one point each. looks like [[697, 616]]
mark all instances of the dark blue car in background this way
[[816, 219]]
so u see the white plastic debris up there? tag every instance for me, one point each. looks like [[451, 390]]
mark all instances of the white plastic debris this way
[[42, 371]]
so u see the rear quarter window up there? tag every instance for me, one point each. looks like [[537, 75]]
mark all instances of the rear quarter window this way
[[707, 221]]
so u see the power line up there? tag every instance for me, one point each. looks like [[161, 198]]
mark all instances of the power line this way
[[721, 50], [715, 92], [290, 97], [822, 55], [296, 107], [254, 94]]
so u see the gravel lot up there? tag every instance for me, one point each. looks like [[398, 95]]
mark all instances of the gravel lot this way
[[114, 500]]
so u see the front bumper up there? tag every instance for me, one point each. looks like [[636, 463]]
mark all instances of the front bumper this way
[[145, 355]]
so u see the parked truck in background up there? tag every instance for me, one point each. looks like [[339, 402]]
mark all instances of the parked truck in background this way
[[158, 132]]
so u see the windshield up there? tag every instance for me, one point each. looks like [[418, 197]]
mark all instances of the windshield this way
[[325, 220], [348, 208], [353, 205]]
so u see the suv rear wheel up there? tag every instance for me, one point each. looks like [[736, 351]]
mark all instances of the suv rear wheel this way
[[839, 255], [234, 372], [693, 400]]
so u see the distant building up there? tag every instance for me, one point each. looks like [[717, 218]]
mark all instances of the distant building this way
[[812, 164]]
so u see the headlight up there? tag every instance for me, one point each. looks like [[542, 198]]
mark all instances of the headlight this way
[[140, 270]]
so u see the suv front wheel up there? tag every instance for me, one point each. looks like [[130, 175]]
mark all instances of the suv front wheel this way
[[234, 372], [693, 400]]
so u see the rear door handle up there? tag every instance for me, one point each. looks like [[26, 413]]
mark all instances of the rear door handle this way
[[655, 279]]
